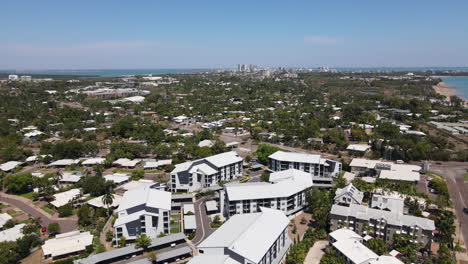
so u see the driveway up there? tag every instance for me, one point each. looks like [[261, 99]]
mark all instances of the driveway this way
[[66, 224], [316, 252], [203, 222]]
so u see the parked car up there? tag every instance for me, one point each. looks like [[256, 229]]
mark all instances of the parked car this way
[[44, 229], [465, 210]]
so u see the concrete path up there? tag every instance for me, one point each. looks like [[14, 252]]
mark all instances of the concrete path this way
[[66, 224], [316, 252]]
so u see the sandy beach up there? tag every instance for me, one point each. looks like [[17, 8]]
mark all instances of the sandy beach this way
[[445, 90]]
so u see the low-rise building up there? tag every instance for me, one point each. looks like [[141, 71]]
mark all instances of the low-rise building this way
[[382, 224], [67, 244], [248, 238], [286, 192], [12, 234], [194, 175], [143, 211], [64, 198], [385, 170]]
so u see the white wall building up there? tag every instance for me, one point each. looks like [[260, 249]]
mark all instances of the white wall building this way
[[286, 192], [348, 195], [322, 170], [143, 211], [194, 175], [249, 239]]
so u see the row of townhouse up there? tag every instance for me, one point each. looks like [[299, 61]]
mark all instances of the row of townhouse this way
[[143, 210], [286, 192], [322, 170], [255, 238], [194, 175], [381, 223]]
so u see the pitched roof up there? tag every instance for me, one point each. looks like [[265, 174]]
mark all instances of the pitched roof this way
[[296, 157], [67, 243], [350, 190], [146, 195], [249, 235]]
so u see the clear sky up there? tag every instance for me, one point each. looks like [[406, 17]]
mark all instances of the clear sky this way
[[127, 34]]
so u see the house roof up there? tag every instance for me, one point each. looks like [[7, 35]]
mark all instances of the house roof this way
[[358, 147], [93, 161], [249, 235], [64, 162], [117, 178], [67, 243], [12, 234], [97, 202], [70, 177], [8, 166], [4, 218], [65, 197]]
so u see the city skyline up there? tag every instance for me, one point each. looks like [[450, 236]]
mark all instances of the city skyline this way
[[90, 35]]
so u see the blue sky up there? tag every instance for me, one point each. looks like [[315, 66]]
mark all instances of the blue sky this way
[[209, 34]]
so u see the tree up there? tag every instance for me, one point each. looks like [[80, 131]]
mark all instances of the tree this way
[[340, 181], [95, 185], [331, 257], [377, 245], [53, 228], [122, 241], [264, 151], [109, 235], [152, 256], [9, 252], [84, 215], [65, 210], [265, 176], [108, 199], [143, 241], [19, 183]]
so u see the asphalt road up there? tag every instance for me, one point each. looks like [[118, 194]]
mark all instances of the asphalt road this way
[[66, 225], [458, 188], [203, 222]]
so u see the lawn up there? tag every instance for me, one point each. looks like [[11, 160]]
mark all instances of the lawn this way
[[466, 177], [3, 206], [48, 209], [14, 213], [175, 223], [29, 195]]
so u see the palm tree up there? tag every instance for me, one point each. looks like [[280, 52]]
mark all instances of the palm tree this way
[[108, 199]]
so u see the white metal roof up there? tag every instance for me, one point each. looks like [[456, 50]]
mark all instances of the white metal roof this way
[[64, 162], [12, 234], [189, 208], [97, 202], [224, 159], [65, 197], [212, 259], [190, 222], [93, 161], [345, 233], [155, 164], [70, 177], [136, 184], [296, 157], [117, 178], [394, 204], [4, 218], [400, 175], [261, 190], [8, 166], [249, 235], [146, 195], [358, 147], [211, 205], [67, 243], [385, 260], [354, 250], [127, 162], [351, 191]]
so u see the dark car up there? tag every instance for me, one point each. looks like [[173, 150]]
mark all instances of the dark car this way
[[465, 210]]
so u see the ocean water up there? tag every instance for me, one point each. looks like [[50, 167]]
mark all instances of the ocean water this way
[[105, 72], [459, 82]]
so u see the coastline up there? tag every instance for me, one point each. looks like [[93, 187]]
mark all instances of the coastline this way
[[444, 89]]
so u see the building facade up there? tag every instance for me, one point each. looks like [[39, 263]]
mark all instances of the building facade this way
[[286, 192], [194, 175], [381, 223], [143, 210], [322, 170]]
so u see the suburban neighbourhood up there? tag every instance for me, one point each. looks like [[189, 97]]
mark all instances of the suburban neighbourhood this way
[[237, 166]]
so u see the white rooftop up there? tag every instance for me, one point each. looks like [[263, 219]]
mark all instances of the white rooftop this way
[[67, 243], [224, 159], [385, 260], [354, 250], [93, 161], [190, 222], [212, 259], [4, 218], [296, 157], [97, 202], [12, 234], [189, 208], [249, 235], [391, 203], [127, 162], [8, 166], [211, 206], [155, 164], [136, 184], [117, 178], [146, 195], [64, 162], [70, 177], [358, 147], [344, 233], [65, 197]]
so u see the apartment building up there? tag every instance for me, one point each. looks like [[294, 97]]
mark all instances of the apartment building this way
[[194, 175], [381, 223], [286, 192], [256, 238], [143, 210], [322, 170], [348, 195]]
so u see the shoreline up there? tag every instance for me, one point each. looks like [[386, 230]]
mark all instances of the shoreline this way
[[444, 89]]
